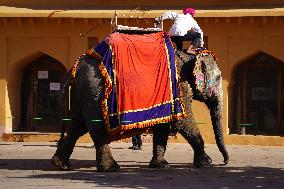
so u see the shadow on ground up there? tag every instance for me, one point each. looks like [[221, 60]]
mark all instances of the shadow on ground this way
[[138, 175]]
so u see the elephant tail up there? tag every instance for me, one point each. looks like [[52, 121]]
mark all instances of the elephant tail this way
[[69, 80], [64, 93], [66, 83]]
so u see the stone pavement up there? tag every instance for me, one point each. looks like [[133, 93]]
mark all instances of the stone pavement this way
[[27, 166]]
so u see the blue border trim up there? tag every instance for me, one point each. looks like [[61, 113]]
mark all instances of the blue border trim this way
[[161, 111]]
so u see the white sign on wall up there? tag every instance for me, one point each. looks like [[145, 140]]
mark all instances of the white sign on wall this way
[[261, 93], [42, 74], [54, 86]]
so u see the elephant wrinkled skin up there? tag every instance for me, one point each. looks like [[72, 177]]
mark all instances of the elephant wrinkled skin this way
[[87, 93]]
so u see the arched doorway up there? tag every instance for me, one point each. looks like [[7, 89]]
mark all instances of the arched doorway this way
[[257, 96], [42, 105]]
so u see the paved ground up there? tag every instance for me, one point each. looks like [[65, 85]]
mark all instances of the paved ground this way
[[27, 166]]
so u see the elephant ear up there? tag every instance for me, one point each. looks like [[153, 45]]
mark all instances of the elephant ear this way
[[208, 79]]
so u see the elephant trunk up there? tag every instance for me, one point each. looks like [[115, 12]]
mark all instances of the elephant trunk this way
[[216, 112]]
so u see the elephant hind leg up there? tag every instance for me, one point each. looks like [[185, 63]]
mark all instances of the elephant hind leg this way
[[62, 155], [160, 137], [104, 159], [191, 133]]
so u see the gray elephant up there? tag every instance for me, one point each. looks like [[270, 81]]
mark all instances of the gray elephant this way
[[200, 79]]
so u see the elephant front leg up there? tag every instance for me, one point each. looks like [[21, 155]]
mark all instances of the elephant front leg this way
[[191, 133], [160, 137]]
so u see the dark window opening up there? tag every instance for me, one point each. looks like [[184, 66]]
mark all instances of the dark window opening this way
[[257, 105], [42, 105]]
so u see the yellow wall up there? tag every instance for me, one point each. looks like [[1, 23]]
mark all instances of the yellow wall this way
[[24, 39], [3, 76], [160, 4]]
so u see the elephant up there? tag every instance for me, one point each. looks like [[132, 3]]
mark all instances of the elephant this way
[[200, 79]]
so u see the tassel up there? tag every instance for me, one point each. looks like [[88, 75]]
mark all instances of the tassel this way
[[108, 89]]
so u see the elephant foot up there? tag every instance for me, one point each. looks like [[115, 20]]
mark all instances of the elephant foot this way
[[60, 165], [108, 166], [201, 160], [159, 164]]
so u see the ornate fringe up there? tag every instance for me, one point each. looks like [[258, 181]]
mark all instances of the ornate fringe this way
[[94, 54], [74, 68], [124, 131], [90, 52], [205, 51], [108, 89]]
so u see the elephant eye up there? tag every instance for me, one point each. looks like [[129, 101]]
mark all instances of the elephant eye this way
[[218, 78]]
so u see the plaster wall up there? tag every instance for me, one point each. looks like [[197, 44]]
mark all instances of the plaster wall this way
[[3, 82], [142, 4], [23, 40]]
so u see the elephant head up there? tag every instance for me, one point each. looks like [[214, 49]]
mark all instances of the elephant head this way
[[204, 76]]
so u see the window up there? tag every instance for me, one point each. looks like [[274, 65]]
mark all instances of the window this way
[[257, 96]]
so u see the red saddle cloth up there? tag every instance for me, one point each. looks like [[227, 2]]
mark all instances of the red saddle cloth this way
[[141, 71], [141, 82], [141, 87]]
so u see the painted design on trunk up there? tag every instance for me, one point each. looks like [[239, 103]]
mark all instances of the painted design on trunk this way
[[208, 80]]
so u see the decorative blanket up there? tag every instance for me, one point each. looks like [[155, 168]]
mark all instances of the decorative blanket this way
[[141, 81]]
